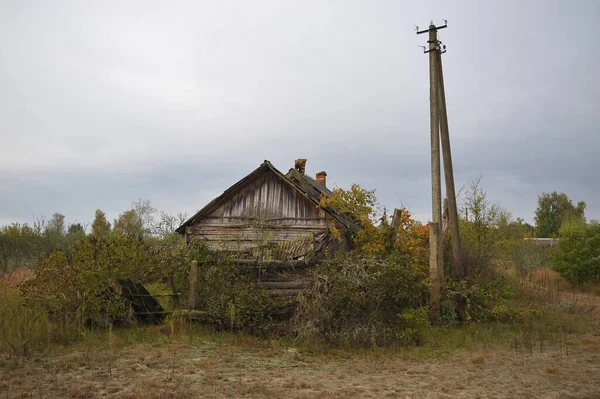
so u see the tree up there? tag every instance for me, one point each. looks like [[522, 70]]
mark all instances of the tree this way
[[481, 227], [553, 211], [376, 236], [56, 232], [166, 223], [514, 230], [130, 224], [75, 229], [577, 254], [146, 214], [411, 240], [360, 205], [56, 225], [100, 226], [75, 232]]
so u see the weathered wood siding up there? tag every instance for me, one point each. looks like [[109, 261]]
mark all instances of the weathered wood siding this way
[[267, 209]]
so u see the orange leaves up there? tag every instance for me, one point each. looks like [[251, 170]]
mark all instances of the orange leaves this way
[[376, 236], [412, 238]]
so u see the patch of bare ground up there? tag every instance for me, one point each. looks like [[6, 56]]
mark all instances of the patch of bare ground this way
[[206, 367]]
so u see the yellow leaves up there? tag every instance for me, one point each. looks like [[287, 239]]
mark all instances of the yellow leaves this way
[[336, 234], [356, 203], [411, 240], [376, 236]]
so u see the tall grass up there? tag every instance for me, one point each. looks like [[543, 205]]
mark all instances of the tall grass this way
[[23, 327]]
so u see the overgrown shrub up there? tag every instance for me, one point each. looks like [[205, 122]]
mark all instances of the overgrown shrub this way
[[356, 300], [76, 288], [233, 299], [577, 254], [81, 283], [481, 299], [490, 234]]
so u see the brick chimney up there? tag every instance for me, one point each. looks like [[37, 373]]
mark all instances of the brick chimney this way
[[322, 178], [300, 165]]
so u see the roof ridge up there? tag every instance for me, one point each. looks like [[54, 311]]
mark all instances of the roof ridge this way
[[268, 165]]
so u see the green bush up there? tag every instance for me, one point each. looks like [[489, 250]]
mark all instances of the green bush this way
[[357, 300], [414, 325], [82, 282], [476, 300], [233, 299], [577, 254]]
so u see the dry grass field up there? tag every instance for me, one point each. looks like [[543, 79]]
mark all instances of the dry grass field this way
[[484, 362]]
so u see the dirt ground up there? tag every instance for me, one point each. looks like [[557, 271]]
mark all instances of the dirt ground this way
[[242, 367]]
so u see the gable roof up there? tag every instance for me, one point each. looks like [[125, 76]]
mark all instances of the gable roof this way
[[305, 185]]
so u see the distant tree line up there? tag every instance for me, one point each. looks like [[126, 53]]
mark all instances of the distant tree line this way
[[24, 245]]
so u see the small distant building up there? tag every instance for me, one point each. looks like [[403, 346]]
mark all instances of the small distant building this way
[[543, 242], [269, 215]]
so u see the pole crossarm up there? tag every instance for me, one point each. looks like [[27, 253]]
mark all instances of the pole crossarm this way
[[432, 27], [439, 47]]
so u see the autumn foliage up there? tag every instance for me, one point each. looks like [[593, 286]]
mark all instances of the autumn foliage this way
[[378, 294], [412, 240], [376, 236]]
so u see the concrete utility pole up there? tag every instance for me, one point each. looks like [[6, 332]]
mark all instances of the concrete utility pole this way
[[439, 127], [435, 259], [457, 262]]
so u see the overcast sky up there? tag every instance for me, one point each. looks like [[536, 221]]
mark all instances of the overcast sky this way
[[106, 102]]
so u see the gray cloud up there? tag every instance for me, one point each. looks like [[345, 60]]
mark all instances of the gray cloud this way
[[104, 103]]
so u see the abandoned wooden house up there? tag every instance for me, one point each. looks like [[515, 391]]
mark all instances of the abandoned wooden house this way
[[271, 216]]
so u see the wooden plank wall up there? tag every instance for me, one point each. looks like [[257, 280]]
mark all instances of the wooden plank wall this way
[[267, 209], [285, 278]]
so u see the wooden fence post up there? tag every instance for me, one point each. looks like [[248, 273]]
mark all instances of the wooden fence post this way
[[192, 285], [396, 220]]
